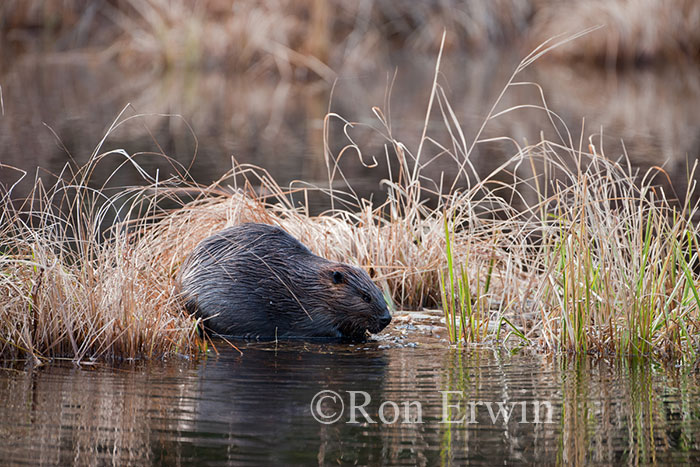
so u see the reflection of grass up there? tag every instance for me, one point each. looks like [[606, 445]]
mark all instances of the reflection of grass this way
[[456, 379], [633, 400], [562, 246]]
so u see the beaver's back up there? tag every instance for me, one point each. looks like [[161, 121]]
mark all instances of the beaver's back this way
[[243, 280]]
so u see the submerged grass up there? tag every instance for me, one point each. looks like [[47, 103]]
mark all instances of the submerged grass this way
[[561, 247]]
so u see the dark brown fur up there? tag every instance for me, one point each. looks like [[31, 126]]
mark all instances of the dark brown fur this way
[[256, 280]]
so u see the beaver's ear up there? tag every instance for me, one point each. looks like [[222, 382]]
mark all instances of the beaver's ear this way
[[338, 277]]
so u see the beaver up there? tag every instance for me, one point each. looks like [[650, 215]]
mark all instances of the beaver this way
[[257, 281]]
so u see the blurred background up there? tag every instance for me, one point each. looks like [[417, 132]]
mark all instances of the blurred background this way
[[254, 80]]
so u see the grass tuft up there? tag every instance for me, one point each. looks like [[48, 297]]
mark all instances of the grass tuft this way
[[561, 246]]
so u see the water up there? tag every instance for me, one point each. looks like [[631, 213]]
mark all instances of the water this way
[[57, 108], [255, 408]]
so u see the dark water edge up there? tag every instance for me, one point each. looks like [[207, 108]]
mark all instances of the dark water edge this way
[[255, 409]]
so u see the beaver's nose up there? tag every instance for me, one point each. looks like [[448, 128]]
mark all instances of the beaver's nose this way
[[385, 319]]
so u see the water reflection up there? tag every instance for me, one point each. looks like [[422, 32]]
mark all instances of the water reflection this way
[[254, 409], [644, 420], [62, 415], [277, 124]]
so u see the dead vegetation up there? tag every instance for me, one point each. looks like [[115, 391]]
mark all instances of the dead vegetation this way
[[309, 40], [561, 246]]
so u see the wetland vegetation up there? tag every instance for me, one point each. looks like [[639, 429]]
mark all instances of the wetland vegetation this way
[[561, 245], [520, 182]]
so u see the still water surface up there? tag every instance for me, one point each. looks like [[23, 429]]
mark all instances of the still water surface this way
[[255, 408]]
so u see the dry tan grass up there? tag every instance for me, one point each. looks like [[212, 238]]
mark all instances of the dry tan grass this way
[[586, 255], [635, 30], [66, 291], [311, 39]]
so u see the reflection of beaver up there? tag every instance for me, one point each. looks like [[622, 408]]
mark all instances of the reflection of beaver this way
[[256, 280]]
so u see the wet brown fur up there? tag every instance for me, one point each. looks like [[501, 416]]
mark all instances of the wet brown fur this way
[[257, 281]]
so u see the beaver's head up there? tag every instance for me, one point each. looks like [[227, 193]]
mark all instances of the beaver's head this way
[[357, 303]]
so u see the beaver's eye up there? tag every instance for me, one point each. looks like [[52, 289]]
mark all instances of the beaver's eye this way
[[338, 277], [366, 297]]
